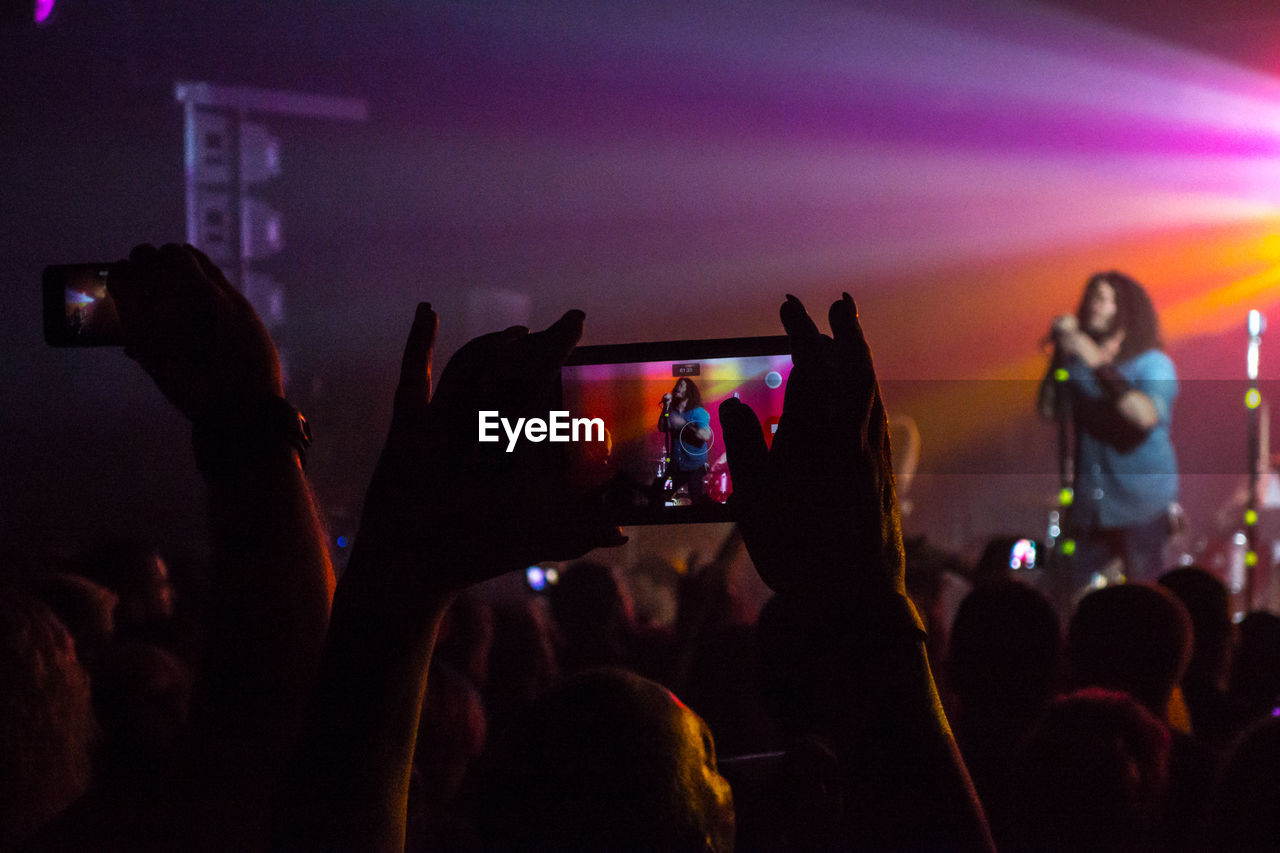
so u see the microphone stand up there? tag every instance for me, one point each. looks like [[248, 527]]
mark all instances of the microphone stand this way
[[667, 459], [1253, 406], [1059, 553]]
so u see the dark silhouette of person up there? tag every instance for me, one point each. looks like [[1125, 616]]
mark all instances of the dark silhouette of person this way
[[1255, 676], [1091, 776], [1004, 666], [1216, 718], [1137, 639]]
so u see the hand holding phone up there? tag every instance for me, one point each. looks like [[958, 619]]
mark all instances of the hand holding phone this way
[[176, 315], [445, 510]]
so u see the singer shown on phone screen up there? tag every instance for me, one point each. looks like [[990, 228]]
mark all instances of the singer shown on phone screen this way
[[688, 428], [1111, 378]]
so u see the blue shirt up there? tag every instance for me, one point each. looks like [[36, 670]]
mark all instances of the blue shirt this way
[[689, 457], [1123, 477]]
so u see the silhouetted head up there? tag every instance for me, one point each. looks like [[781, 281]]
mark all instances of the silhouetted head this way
[[1209, 606], [1091, 776], [138, 574], [1006, 648], [1246, 812], [590, 613], [1131, 637], [1113, 302], [608, 760], [654, 584], [1255, 677]]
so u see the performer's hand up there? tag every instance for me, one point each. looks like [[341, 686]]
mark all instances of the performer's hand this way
[[466, 511], [1085, 348], [818, 510], [1064, 324], [193, 333], [666, 398]]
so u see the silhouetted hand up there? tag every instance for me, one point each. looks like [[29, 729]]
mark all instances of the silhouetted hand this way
[[473, 510], [818, 509], [193, 333]]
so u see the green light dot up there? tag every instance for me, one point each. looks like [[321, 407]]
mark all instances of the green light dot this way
[[1251, 517], [1061, 375], [1066, 497], [1068, 547], [1251, 558], [1253, 398]]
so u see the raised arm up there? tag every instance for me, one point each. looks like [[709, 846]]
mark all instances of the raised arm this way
[[841, 645], [443, 511], [202, 343]]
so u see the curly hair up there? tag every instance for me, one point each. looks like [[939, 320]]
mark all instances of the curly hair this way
[[693, 399], [1135, 313]]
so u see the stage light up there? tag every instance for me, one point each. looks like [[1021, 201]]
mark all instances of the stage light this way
[[1253, 398], [1067, 496], [1251, 558], [1061, 374], [1251, 517], [1257, 323], [261, 230], [259, 154], [44, 12], [1068, 547]]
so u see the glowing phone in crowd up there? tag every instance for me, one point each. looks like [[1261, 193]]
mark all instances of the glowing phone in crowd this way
[[78, 310]]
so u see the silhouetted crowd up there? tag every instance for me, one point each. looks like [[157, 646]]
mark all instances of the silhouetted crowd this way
[[259, 703]]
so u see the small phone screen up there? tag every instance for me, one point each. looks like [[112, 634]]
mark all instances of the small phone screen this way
[[78, 309], [1022, 555], [663, 445]]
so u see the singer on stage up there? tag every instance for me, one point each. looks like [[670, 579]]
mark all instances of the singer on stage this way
[[1111, 378], [689, 427]]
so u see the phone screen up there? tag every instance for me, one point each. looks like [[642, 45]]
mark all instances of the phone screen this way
[[657, 406], [78, 310], [1022, 555]]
